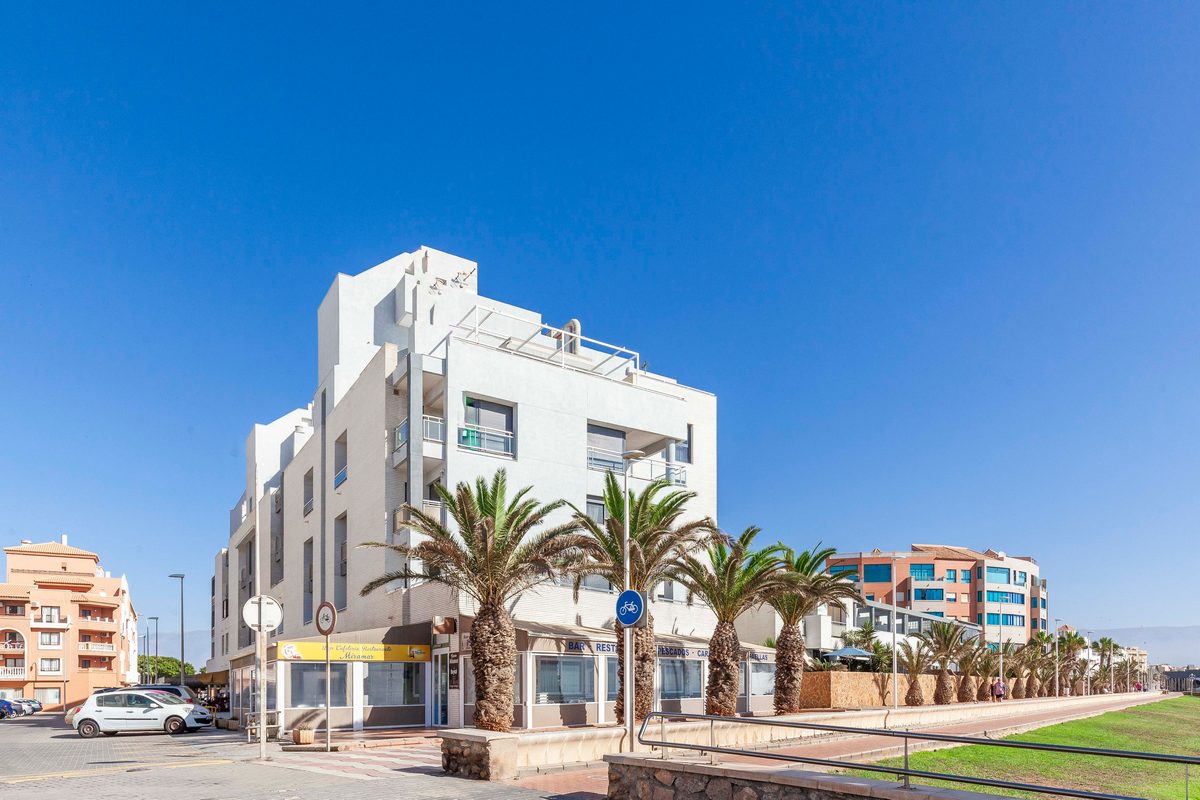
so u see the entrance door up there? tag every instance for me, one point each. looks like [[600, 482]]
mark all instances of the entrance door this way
[[441, 688]]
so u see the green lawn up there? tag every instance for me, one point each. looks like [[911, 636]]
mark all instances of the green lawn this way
[[1168, 726]]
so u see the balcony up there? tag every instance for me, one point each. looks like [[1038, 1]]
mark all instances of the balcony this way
[[102, 623], [12, 673], [308, 506], [56, 624], [646, 469], [431, 508], [487, 440], [12, 647], [99, 647], [340, 476], [433, 430]]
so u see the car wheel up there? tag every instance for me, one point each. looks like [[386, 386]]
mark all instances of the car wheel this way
[[174, 725], [88, 729]]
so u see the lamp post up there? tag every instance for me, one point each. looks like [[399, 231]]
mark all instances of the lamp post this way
[[893, 620], [154, 668], [1087, 675], [1057, 623], [179, 575], [627, 633]]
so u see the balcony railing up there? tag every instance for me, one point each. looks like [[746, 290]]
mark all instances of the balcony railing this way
[[11, 646], [308, 506], [487, 440], [95, 622], [98, 647], [60, 623], [340, 476], [12, 673], [431, 508], [433, 429], [647, 469]]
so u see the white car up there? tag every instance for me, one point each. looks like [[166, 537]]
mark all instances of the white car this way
[[111, 713]]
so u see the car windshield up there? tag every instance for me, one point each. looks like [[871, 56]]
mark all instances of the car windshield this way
[[165, 697]]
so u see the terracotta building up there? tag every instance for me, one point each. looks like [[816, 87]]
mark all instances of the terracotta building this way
[[1003, 594], [67, 628]]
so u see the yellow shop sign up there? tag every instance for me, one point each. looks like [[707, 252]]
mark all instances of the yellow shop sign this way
[[351, 651]]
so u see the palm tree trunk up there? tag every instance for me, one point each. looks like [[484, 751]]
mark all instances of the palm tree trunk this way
[[1032, 688], [915, 696], [944, 693], [722, 690], [644, 659], [493, 657], [1018, 688], [966, 688], [789, 669], [985, 688]]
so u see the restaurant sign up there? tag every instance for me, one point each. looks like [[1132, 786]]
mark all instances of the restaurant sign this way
[[352, 651]]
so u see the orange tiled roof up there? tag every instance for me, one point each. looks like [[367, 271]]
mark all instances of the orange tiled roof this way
[[91, 600], [48, 576], [51, 549], [948, 551], [14, 591]]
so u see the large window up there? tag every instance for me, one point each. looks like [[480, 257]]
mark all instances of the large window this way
[[48, 696], [1017, 620], [1020, 579], [394, 684], [340, 562], [997, 575], [679, 678], [307, 578], [927, 594], [683, 449], [605, 446], [612, 685], [762, 678], [951, 576], [468, 670], [48, 639], [565, 679], [489, 427], [306, 685], [921, 572], [1005, 597], [847, 570], [877, 573], [52, 665]]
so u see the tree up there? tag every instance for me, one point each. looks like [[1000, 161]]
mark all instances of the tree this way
[[812, 587], [731, 579], [1070, 644], [658, 542], [989, 662], [944, 641], [861, 637], [500, 551], [968, 668], [914, 660], [1039, 646], [163, 666]]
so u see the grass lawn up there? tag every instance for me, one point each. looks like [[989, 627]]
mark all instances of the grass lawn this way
[[1169, 726]]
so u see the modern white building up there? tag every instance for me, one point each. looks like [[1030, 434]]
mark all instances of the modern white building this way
[[420, 381]]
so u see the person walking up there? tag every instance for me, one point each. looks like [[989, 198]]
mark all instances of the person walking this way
[[999, 689]]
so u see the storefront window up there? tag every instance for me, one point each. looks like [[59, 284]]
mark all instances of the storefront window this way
[[565, 679], [394, 684], [762, 679], [742, 679], [679, 678], [468, 680], [48, 696], [306, 685], [612, 684]]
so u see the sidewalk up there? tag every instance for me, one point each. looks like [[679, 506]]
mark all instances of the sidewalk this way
[[585, 784]]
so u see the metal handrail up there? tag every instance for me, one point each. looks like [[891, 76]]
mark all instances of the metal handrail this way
[[904, 771]]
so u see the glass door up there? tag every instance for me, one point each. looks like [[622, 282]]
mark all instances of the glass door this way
[[441, 688]]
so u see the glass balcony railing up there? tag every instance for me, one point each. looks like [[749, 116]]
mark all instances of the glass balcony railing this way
[[433, 429], [487, 440], [308, 506], [340, 476]]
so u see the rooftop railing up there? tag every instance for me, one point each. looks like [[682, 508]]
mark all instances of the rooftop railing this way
[[904, 773]]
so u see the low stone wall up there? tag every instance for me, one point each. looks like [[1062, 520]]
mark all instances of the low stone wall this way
[[646, 778], [860, 689], [482, 755]]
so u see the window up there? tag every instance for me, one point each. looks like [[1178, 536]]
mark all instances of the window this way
[[50, 614], [921, 572], [394, 684], [308, 492], [1012, 619], [666, 591], [596, 510], [966, 576], [993, 619], [340, 558], [1005, 597], [489, 427], [848, 570], [47, 639], [762, 678], [1043, 602], [978, 596], [997, 575], [683, 449], [341, 468], [307, 577], [679, 678], [604, 448], [1043, 624], [50, 665], [612, 686], [877, 573], [936, 613], [469, 680], [276, 539], [951, 576], [14, 611], [979, 573], [139, 701], [306, 685], [110, 700], [565, 679], [48, 696], [85, 663], [951, 597], [927, 594], [870, 598], [1020, 579]]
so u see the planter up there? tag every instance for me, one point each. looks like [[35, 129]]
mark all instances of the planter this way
[[303, 735]]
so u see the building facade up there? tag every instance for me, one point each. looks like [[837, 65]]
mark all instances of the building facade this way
[[68, 626], [422, 381], [1004, 595]]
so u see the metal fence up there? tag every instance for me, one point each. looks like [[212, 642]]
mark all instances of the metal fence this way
[[904, 773]]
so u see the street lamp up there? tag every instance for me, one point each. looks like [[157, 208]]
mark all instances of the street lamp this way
[[154, 668], [1087, 675], [893, 620], [627, 457], [179, 575], [1057, 624]]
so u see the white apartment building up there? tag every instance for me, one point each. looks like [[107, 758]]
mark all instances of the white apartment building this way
[[421, 381]]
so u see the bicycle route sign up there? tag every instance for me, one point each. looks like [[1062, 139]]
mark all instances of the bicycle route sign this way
[[631, 609]]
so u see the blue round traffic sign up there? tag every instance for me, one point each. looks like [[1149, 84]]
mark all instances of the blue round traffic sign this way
[[630, 607]]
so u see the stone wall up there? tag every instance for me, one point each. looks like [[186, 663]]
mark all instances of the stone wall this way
[[647, 778], [481, 755], [858, 689]]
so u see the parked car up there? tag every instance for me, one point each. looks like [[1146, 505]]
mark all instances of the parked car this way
[[7, 709], [71, 715], [182, 692], [128, 710], [26, 706], [36, 705]]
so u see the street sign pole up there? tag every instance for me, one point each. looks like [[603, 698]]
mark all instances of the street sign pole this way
[[326, 620], [263, 614]]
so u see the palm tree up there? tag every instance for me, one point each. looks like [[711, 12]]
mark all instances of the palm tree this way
[[732, 578], [1017, 662], [989, 661], [1070, 644], [813, 587], [881, 657], [914, 660], [657, 545], [501, 550], [968, 667], [861, 637], [1039, 645], [944, 641]]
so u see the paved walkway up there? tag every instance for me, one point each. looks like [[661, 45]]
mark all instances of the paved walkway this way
[[586, 784]]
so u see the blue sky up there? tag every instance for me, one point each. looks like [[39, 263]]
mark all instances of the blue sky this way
[[938, 263]]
